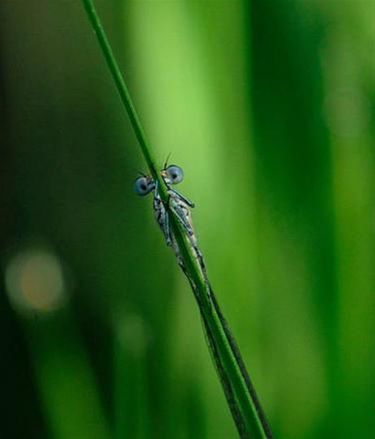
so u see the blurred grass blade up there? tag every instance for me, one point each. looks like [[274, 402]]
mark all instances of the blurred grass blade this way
[[70, 393], [244, 408]]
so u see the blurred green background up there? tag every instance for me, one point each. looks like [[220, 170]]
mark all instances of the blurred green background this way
[[269, 107]]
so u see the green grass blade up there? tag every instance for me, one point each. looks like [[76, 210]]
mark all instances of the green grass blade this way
[[225, 381], [121, 86], [220, 344], [245, 375]]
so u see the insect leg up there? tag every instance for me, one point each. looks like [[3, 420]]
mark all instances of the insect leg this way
[[181, 197]]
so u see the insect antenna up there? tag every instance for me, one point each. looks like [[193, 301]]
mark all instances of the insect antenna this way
[[166, 161]]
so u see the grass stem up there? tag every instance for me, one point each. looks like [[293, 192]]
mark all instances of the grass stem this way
[[245, 406]]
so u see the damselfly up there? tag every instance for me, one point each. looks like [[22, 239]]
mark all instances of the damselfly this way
[[180, 206]]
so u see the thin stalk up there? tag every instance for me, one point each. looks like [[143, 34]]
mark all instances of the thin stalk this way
[[248, 407], [121, 87], [220, 343], [245, 375], [225, 381]]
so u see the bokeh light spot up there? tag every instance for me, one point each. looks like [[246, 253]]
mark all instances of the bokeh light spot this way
[[35, 282]]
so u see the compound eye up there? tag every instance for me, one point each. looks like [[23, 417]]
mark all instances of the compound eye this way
[[175, 174], [143, 186]]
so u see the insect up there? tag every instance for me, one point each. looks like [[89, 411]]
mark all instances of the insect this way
[[178, 205]]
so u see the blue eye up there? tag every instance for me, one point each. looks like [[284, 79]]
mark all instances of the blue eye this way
[[143, 186], [174, 174]]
